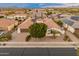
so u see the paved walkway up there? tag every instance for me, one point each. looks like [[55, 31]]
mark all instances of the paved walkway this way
[[72, 37]]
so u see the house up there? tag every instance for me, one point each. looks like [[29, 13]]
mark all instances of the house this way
[[76, 24], [37, 13], [17, 16], [72, 25], [76, 18], [19, 11], [68, 24], [25, 25], [7, 25], [50, 24]]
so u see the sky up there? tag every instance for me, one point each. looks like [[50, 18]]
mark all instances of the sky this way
[[36, 5]]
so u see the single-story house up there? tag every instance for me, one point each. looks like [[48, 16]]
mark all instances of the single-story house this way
[[72, 25], [19, 10], [7, 25], [50, 23], [17, 16], [76, 18], [25, 25]]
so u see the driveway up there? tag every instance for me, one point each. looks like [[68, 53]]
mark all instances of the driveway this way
[[18, 37]]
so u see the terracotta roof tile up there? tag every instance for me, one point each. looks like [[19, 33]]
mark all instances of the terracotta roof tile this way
[[6, 22]]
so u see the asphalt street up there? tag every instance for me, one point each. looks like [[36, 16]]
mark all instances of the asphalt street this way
[[37, 52]]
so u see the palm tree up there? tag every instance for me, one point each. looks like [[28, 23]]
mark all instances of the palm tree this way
[[54, 32], [65, 28]]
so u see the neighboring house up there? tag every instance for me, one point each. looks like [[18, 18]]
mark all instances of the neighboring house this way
[[71, 25], [38, 13], [17, 16], [20, 11], [7, 25], [25, 25], [76, 18], [2, 15], [50, 23], [10, 16]]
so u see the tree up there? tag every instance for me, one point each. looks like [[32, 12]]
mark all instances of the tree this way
[[60, 23], [54, 32], [38, 30], [5, 37], [1, 16], [49, 13]]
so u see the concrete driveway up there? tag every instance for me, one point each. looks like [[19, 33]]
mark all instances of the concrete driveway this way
[[18, 37]]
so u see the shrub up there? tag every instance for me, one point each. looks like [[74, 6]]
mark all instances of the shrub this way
[[69, 40], [28, 37], [1, 16], [38, 30], [5, 37], [60, 23], [65, 38]]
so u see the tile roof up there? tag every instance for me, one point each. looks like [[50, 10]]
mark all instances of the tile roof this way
[[26, 24], [50, 23], [69, 22], [6, 22]]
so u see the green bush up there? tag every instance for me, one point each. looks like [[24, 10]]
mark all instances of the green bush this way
[[1, 16], [5, 37], [65, 38], [28, 37], [60, 23], [38, 30]]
